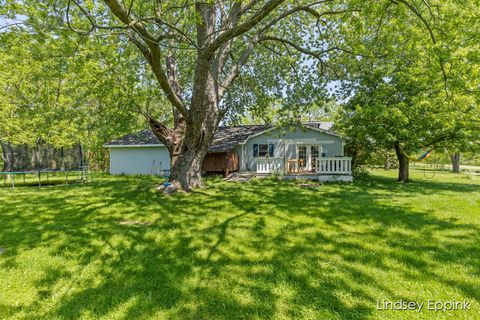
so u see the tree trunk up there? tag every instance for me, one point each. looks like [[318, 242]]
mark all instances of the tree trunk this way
[[455, 157], [53, 158], [187, 157], [80, 155], [387, 163], [7, 156], [185, 170], [403, 168], [188, 145]]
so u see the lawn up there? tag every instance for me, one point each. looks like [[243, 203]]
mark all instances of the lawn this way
[[114, 249]]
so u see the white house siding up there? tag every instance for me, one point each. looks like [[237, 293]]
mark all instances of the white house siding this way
[[139, 160], [331, 145]]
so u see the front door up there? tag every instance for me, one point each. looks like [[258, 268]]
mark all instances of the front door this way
[[303, 157], [308, 156]]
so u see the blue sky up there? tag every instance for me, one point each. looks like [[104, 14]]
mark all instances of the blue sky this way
[[332, 86], [5, 22]]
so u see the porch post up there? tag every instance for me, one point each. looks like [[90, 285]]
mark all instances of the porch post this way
[[242, 160]]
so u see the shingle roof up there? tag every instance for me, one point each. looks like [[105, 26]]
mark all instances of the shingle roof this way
[[225, 139], [144, 137], [324, 125]]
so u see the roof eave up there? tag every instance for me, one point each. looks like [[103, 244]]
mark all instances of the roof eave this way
[[298, 125], [132, 145]]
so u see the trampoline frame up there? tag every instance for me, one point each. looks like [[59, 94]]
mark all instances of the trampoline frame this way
[[85, 175]]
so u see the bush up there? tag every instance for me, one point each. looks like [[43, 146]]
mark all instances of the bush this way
[[360, 172]]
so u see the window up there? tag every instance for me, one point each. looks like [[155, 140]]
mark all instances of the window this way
[[314, 151], [302, 155], [263, 150]]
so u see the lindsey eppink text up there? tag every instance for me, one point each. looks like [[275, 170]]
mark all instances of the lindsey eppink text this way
[[419, 306]]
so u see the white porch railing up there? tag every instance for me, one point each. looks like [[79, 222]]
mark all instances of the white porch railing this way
[[334, 165], [269, 165]]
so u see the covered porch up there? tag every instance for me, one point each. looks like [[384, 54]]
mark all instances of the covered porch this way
[[299, 154]]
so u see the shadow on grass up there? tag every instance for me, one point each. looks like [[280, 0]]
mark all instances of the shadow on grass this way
[[419, 185], [262, 249]]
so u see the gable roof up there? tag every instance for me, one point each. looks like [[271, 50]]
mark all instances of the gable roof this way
[[142, 138], [225, 139], [324, 125], [316, 126]]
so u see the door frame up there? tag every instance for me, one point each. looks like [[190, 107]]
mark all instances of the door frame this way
[[308, 161]]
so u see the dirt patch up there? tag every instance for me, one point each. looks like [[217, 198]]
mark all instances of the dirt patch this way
[[244, 177], [238, 179], [307, 185], [135, 223]]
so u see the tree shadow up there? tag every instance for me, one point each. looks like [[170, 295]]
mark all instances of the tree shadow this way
[[264, 249]]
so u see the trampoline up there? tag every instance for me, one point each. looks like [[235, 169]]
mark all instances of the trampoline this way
[[43, 161]]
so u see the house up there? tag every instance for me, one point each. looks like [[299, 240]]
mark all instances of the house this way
[[310, 150]]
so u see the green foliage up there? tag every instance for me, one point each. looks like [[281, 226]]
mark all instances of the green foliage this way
[[64, 88], [407, 71], [415, 90]]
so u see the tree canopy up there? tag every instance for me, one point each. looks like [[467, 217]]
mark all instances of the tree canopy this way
[[418, 94], [62, 88], [209, 61]]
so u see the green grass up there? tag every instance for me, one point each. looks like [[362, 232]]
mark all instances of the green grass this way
[[258, 250]]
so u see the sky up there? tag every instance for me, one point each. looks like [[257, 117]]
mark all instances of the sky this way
[[332, 86], [4, 22]]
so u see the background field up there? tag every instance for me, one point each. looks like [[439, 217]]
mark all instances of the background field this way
[[115, 249]]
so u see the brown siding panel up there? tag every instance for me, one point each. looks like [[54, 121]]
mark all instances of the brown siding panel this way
[[220, 162]]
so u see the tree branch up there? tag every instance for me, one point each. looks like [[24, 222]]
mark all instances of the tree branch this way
[[430, 31], [161, 131], [153, 55], [235, 72], [315, 54], [244, 27], [307, 8]]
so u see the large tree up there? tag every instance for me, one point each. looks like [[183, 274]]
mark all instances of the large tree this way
[[57, 94], [403, 100], [401, 112], [198, 49]]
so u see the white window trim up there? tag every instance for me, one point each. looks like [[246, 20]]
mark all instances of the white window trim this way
[[308, 153]]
